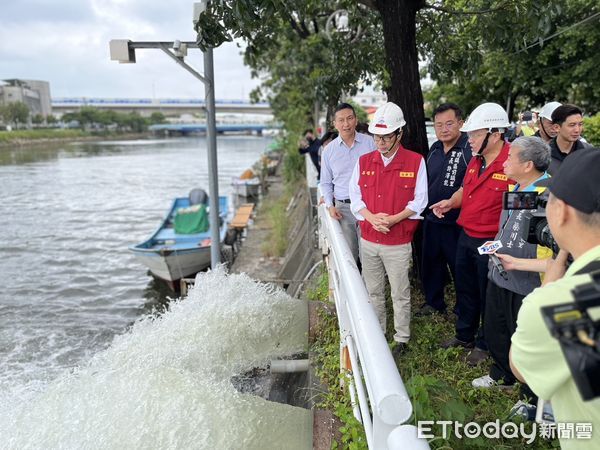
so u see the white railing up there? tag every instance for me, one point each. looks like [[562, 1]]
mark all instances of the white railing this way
[[378, 395]]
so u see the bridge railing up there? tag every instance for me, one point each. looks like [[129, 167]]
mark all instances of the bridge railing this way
[[379, 398]]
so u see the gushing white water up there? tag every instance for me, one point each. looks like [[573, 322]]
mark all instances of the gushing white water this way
[[167, 383]]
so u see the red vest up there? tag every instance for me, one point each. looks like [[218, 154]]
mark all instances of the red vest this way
[[482, 196], [388, 190]]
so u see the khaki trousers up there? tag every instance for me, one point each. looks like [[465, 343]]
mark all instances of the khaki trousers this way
[[393, 260]]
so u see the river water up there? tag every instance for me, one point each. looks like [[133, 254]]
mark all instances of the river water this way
[[71, 292]]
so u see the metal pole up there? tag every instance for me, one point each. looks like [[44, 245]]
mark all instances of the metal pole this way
[[211, 146]]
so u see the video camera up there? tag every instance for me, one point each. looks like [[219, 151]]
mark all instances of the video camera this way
[[578, 333], [536, 228]]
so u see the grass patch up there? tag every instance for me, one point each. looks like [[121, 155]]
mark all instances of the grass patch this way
[[437, 380], [326, 351], [278, 220], [274, 211], [9, 136]]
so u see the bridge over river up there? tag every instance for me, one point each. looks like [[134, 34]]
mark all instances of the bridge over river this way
[[200, 128], [167, 106]]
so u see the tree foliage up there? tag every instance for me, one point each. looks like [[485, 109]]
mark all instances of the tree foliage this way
[[507, 51], [548, 54], [15, 113], [288, 47], [89, 117]]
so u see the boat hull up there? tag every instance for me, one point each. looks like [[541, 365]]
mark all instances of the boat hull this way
[[171, 256], [177, 264]]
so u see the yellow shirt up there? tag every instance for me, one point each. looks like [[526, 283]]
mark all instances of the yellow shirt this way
[[539, 358]]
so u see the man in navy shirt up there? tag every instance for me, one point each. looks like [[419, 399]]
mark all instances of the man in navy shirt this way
[[446, 165], [311, 145]]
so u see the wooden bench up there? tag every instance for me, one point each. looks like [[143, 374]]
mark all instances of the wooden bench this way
[[242, 216]]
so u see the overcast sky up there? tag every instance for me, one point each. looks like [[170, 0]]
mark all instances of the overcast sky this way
[[65, 42]]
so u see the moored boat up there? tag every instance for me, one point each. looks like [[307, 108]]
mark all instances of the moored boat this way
[[171, 254]]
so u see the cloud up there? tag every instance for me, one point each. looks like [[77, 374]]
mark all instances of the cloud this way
[[66, 43]]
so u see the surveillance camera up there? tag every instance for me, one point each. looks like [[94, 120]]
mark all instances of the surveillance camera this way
[[177, 45]]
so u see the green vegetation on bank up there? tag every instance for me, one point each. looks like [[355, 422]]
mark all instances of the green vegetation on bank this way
[[17, 135], [93, 118], [437, 380], [326, 351]]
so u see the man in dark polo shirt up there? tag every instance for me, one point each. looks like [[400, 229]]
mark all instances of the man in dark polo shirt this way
[[480, 200], [568, 124], [446, 166]]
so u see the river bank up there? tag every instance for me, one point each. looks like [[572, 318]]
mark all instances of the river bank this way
[[22, 138]]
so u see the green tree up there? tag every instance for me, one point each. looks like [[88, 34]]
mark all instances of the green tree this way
[[15, 113], [37, 119], [389, 35], [524, 70], [287, 45], [135, 122], [157, 117]]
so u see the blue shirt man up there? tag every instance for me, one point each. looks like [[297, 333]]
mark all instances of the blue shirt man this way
[[337, 163]]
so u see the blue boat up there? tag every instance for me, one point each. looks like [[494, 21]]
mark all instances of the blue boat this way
[[170, 255]]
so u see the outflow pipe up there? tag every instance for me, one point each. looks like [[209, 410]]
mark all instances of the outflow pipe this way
[[289, 365]]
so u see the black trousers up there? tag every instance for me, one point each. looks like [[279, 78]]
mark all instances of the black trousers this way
[[501, 312], [471, 284], [439, 254]]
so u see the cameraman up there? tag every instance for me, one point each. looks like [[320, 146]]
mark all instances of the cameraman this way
[[536, 358]]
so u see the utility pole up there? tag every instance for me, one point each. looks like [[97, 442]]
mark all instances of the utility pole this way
[[123, 50]]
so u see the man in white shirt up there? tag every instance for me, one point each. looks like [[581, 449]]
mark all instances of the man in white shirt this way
[[337, 162], [388, 192]]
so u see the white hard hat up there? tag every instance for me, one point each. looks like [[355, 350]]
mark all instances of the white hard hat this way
[[548, 109], [486, 116], [387, 119]]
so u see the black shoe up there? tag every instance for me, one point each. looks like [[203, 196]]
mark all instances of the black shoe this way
[[454, 342], [476, 357], [399, 349]]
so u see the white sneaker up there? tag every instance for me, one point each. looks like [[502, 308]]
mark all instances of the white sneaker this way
[[484, 382]]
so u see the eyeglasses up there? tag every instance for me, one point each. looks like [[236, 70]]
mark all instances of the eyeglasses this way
[[441, 126], [476, 134], [385, 138]]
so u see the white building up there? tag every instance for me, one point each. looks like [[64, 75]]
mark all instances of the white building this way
[[34, 93]]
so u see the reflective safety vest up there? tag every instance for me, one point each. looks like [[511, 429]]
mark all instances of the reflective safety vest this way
[[482, 196], [388, 190]]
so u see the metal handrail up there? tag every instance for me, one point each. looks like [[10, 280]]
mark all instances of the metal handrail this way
[[388, 405]]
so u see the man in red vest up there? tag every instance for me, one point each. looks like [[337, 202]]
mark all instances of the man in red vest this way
[[388, 192], [480, 200]]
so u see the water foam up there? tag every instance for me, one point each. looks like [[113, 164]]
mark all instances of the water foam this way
[[167, 383]]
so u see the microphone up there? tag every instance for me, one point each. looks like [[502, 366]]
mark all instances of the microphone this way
[[498, 265]]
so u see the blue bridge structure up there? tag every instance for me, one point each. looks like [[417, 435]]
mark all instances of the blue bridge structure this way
[[200, 128]]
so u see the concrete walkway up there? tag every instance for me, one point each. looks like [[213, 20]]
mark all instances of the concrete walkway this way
[[250, 259]]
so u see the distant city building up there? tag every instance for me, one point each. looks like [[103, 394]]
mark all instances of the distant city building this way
[[369, 98], [34, 93]]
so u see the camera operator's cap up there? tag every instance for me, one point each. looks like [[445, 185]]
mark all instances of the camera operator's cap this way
[[577, 182]]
